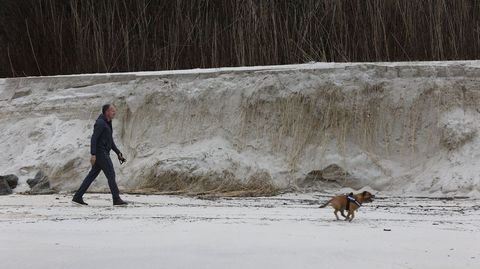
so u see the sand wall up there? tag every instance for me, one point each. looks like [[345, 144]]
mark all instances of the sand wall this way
[[397, 128]]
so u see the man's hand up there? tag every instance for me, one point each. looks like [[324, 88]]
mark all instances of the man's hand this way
[[93, 159], [121, 159]]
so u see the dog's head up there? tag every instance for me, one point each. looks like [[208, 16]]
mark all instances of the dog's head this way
[[367, 197]]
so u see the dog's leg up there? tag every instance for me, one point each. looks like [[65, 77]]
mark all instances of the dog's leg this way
[[336, 215], [353, 215], [343, 214], [348, 215]]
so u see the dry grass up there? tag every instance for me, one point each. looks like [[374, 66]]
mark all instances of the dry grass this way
[[366, 118], [321, 117], [210, 185], [47, 37]]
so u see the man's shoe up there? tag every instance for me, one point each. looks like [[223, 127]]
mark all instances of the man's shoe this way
[[78, 201], [119, 202]]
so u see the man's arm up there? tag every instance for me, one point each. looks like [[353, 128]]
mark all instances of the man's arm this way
[[97, 131], [119, 154], [114, 147]]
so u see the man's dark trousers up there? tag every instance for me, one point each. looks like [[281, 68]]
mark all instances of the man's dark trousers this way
[[103, 163]]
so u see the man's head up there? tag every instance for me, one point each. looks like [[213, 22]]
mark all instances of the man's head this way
[[109, 111]]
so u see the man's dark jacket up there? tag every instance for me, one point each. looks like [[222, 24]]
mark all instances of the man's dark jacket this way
[[102, 138]]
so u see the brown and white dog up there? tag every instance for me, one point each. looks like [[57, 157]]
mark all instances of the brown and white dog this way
[[340, 203]]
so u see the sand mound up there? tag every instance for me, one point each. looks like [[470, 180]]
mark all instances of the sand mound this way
[[395, 127]]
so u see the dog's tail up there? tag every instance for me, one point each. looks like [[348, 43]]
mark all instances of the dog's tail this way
[[325, 204]]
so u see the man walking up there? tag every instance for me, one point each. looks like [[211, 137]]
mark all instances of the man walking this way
[[101, 144]]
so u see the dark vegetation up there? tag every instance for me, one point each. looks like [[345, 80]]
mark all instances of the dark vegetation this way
[[49, 37]]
